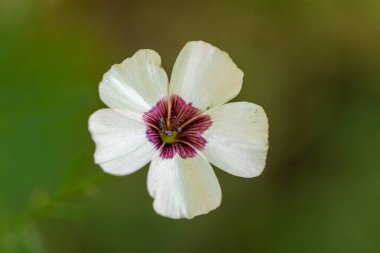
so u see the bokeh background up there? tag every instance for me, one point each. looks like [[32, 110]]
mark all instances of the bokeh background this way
[[314, 65]]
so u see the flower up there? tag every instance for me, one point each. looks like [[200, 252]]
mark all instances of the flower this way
[[180, 127]]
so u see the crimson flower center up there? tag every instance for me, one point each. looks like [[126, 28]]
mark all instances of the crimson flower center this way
[[176, 127]]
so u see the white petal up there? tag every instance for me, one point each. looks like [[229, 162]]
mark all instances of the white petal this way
[[183, 188], [121, 143], [237, 141], [205, 75], [134, 86]]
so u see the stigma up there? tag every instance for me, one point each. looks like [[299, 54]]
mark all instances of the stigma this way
[[170, 129]]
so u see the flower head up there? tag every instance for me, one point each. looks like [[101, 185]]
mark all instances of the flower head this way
[[180, 127]]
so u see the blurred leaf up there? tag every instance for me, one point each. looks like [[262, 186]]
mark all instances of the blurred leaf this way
[[24, 240]]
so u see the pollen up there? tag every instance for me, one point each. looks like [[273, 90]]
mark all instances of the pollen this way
[[169, 129]]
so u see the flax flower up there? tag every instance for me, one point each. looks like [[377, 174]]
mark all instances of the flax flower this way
[[180, 127]]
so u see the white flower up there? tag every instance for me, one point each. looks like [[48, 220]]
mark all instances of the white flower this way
[[180, 127]]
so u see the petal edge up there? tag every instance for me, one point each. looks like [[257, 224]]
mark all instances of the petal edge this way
[[121, 145], [237, 141], [183, 188], [204, 69], [135, 85]]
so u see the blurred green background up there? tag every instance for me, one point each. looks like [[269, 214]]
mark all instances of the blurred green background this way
[[313, 65]]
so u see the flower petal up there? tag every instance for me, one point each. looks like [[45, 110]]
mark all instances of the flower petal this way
[[121, 143], [237, 141], [134, 86], [183, 188], [205, 75]]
